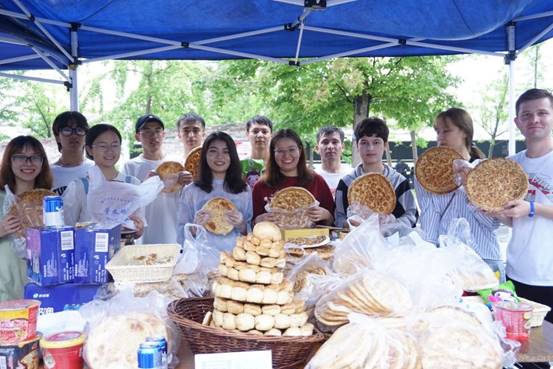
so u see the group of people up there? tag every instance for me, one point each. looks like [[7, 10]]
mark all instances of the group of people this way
[[277, 161]]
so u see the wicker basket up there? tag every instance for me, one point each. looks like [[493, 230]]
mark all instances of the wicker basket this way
[[122, 268], [539, 311], [287, 352]]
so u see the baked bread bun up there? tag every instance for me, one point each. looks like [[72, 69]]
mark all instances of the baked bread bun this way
[[267, 231], [434, 169], [168, 168]]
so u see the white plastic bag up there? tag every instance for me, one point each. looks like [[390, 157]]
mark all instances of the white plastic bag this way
[[110, 203]]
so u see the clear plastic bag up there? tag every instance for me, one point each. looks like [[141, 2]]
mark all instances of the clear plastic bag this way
[[288, 219], [110, 203], [118, 325]]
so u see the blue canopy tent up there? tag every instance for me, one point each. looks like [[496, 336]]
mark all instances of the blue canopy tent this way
[[62, 34]]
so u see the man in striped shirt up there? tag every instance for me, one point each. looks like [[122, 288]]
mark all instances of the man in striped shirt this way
[[371, 137]]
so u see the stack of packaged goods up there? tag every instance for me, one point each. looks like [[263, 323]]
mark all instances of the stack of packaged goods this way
[[252, 294]]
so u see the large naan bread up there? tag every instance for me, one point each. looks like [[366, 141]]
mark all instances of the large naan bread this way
[[292, 198], [28, 208], [113, 343], [168, 168], [495, 182], [218, 207], [192, 162], [374, 191], [434, 169]]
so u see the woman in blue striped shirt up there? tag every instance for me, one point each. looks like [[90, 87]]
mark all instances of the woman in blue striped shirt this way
[[454, 129]]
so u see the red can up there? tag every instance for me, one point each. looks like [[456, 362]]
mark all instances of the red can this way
[[63, 350]]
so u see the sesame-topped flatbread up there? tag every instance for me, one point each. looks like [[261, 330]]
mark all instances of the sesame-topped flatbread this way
[[374, 191], [218, 207], [28, 208], [292, 198], [495, 182], [192, 162], [434, 169], [168, 168]]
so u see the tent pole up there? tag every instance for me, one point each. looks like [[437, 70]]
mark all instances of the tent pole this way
[[73, 72], [30, 78], [510, 60]]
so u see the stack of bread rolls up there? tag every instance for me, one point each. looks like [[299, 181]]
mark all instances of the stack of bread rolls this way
[[251, 294]]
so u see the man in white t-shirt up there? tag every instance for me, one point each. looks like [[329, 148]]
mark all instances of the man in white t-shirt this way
[[69, 129], [161, 214], [530, 251], [330, 141]]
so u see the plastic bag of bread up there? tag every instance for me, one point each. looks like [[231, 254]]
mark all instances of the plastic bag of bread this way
[[117, 326]]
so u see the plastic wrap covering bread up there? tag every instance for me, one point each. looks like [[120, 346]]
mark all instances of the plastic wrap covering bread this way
[[288, 208]]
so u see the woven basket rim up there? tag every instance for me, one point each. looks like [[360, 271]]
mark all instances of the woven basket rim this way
[[220, 332]]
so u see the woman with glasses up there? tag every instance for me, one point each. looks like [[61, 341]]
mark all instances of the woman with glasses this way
[[287, 167], [220, 176], [69, 129], [24, 167], [103, 146]]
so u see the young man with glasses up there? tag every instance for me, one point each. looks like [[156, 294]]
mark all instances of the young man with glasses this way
[[190, 131], [69, 129], [161, 214]]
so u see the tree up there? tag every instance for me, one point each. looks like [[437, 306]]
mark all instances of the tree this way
[[408, 91], [39, 106]]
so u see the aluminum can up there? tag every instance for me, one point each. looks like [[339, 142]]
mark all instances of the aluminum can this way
[[149, 356], [162, 345], [52, 211]]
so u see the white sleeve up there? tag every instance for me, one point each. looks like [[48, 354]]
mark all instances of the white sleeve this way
[[74, 202], [185, 212]]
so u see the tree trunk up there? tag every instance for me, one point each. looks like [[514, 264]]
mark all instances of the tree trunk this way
[[414, 146], [149, 105], [361, 107], [490, 150]]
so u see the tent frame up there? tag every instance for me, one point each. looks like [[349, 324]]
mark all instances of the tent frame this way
[[73, 60]]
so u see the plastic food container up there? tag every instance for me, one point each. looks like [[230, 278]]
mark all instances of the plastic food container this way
[[63, 350], [515, 317], [18, 321], [24, 354]]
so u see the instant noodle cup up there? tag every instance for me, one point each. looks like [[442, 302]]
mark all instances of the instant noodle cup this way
[[24, 354], [18, 321], [515, 317], [63, 350]]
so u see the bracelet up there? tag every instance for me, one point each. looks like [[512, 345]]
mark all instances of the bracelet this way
[[532, 210]]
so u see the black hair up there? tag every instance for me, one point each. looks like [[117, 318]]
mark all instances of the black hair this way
[[372, 127], [234, 183], [533, 94], [273, 177], [259, 119], [67, 118], [328, 130], [190, 118], [96, 131]]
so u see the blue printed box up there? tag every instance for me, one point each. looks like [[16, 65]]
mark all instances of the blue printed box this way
[[94, 247], [51, 253], [62, 297]]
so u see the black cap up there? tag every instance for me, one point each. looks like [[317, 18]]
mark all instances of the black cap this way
[[145, 119]]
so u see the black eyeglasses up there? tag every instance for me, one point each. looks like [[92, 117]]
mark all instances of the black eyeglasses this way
[[23, 159], [68, 131]]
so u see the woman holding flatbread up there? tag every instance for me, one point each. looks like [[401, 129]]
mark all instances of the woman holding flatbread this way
[[103, 146], [454, 129], [219, 199], [24, 168], [287, 167]]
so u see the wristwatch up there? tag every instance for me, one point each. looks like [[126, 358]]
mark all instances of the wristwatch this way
[[532, 210]]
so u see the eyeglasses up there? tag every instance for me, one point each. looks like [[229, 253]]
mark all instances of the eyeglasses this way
[[68, 131], [106, 147], [292, 152], [23, 159]]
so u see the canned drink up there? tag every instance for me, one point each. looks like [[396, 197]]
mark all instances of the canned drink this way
[[52, 211], [149, 356], [162, 345]]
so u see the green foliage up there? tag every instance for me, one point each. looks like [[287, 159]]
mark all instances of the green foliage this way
[[40, 105]]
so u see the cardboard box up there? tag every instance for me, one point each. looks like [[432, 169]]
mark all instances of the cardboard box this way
[[51, 253], [94, 247], [62, 297], [288, 234]]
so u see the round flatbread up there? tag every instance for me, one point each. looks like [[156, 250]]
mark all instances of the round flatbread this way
[[292, 198], [28, 208], [192, 162], [218, 207], [495, 182], [434, 169], [374, 191], [168, 168]]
